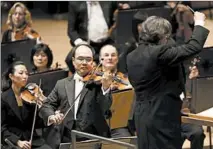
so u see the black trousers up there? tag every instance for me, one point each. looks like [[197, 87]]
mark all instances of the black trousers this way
[[120, 132], [154, 133], [67, 133], [194, 134]]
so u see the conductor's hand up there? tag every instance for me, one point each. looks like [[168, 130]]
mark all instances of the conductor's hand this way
[[124, 6], [106, 80], [57, 118], [198, 16]]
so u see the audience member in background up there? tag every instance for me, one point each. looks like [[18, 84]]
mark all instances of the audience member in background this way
[[17, 114], [19, 24], [41, 58]]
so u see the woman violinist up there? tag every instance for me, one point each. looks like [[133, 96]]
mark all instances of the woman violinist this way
[[19, 24], [17, 115]]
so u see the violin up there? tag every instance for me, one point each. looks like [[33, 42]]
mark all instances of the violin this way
[[30, 93], [120, 81], [27, 32]]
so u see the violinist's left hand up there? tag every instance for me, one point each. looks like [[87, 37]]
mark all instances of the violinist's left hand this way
[[124, 6], [106, 80], [194, 72]]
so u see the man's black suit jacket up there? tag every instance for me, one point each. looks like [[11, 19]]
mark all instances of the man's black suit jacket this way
[[78, 18], [16, 124], [155, 73], [91, 109]]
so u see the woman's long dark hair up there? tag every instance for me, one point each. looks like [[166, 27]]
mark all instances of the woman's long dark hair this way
[[5, 80], [45, 48]]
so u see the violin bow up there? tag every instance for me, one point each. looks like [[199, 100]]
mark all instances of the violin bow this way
[[190, 9], [35, 113], [175, 8]]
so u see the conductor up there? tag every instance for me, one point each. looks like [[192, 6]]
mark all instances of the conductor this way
[[156, 73]]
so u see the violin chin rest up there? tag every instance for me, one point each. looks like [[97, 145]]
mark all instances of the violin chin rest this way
[[30, 86]]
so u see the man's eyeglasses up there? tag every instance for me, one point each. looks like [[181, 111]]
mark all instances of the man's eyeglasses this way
[[87, 59]]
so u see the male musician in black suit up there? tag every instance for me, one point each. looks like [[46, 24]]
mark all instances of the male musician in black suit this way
[[155, 72], [88, 112]]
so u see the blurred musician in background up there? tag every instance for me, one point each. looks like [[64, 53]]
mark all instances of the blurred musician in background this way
[[91, 27], [109, 55], [19, 24], [94, 26], [41, 58]]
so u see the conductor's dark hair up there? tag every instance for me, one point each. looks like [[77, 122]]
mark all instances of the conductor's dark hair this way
[[45, 48], [154, 29], [6, 81]]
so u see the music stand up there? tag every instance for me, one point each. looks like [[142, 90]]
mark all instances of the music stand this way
[[131, 140], [121, 107], [48, 79], [19, 50], [88, 144], [125, 28], [205, 66]]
